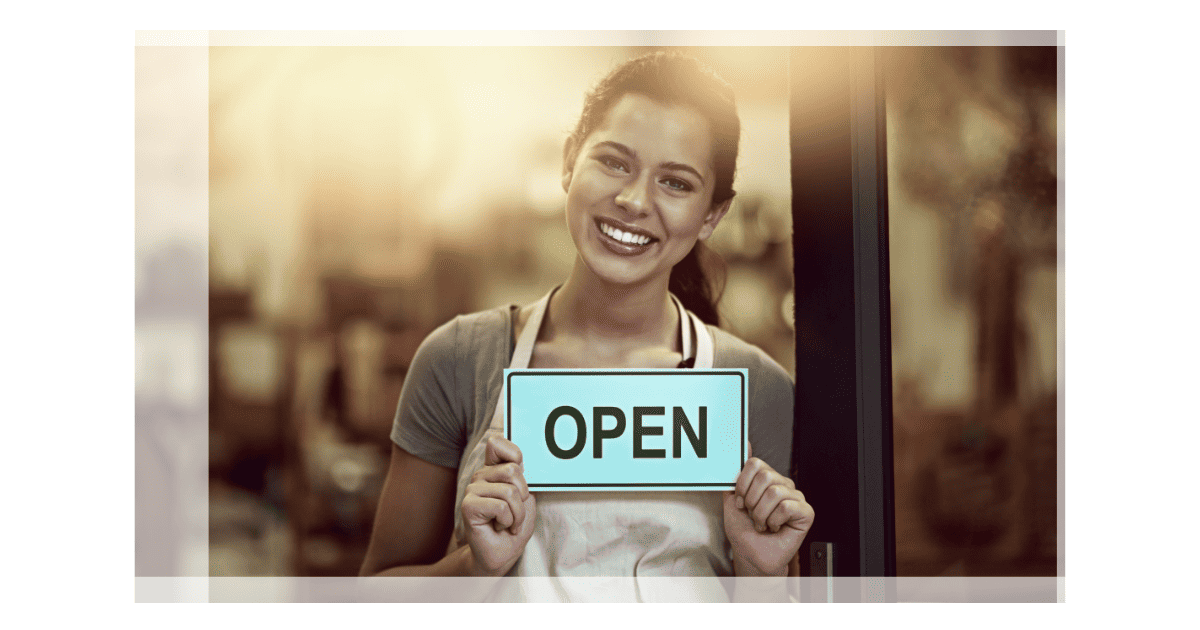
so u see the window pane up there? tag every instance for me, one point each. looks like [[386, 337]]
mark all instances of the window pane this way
[[972, 149]]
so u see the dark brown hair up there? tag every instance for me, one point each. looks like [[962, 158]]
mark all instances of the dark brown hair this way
[[675, 79]]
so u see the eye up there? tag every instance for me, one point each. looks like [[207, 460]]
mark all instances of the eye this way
[[674, 183], [613, 163]]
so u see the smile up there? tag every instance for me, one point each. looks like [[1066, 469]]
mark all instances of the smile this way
[[625, 237]]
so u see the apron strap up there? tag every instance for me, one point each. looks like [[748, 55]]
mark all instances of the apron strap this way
[[691, 325], [685, 330], [704, 344], [524, 349]]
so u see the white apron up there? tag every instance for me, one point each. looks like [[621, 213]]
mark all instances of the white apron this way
[[594, 546]]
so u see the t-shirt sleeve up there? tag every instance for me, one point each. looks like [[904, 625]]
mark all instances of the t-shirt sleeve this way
[[772, 403], [430, 421], [772, 398]]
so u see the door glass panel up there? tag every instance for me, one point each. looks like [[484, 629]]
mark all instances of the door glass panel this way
[[972, 148]]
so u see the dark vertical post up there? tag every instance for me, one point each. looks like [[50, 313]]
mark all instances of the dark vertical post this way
[[843, 436]]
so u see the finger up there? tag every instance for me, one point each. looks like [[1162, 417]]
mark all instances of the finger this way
[[763, 479], [479, 510], [787, 512], [803, 516], [509, 472], [510, 495], [500, 450], [744, 479], [771, 498], [503, 492], [741, 501]]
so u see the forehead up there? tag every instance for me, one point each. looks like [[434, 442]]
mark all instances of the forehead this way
[[658, 132]]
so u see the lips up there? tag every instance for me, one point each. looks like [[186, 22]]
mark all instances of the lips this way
[[622, 238]]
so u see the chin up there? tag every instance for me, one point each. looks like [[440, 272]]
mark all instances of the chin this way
[[611, 269], [614, 274]]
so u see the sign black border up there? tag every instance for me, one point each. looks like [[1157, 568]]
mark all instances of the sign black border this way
[[618, 372]]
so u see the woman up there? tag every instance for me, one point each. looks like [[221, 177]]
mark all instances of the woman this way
[[648, 174]]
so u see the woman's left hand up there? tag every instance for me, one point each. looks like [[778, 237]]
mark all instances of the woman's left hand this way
[[766, 519]]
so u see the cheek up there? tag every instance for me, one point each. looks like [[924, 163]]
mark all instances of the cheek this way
[[585, 191], [577, 203], [688, 221]]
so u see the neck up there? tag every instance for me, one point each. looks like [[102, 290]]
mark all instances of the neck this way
[[591, 308]]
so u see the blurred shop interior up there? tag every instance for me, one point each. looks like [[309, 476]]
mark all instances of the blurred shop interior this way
[[361, 197], [972, 190]]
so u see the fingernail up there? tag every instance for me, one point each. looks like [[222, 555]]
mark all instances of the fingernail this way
[[740, 503], [758, 528]]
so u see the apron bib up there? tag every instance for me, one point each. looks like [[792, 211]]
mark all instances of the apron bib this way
[[609, 537]]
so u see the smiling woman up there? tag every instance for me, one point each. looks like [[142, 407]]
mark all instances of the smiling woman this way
[[648, 176]]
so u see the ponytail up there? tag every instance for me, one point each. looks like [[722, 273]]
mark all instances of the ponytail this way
[[698, 281]]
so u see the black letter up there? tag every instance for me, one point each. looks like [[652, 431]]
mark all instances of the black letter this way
[[598, 414], [639, 431], [700, 445], [580, 426]]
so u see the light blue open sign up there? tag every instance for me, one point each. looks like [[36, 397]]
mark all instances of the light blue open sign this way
[[585, 430]]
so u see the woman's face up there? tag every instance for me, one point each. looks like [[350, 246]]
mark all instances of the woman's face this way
[[639, 194]]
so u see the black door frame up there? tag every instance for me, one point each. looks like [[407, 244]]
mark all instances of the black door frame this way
[[842, 452]]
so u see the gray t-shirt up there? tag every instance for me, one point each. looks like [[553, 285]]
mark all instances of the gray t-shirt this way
[[454, 382]]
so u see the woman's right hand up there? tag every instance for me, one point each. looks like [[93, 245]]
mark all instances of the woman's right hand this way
[[498, 510]]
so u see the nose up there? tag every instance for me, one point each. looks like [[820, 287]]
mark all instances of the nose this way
[[634, 197]]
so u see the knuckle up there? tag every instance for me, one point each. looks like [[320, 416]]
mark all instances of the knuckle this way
[[743, 480]]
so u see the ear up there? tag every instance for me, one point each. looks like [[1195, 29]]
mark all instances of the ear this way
[[714, 217], [568, 164]]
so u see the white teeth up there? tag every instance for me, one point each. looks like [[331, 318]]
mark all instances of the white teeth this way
[[625, 237]]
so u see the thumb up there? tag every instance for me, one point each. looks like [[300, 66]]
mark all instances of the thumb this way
[[499, 450]]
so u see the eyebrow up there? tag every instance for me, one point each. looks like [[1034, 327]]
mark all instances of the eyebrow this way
[[673, 166]]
